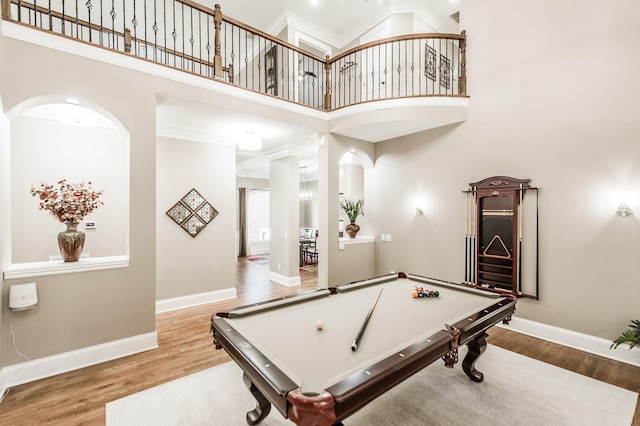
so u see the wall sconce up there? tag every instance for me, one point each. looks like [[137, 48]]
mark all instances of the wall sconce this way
[[624, 210], [419, 211]]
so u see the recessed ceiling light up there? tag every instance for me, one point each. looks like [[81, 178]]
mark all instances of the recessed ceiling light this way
[[73, 115], [314, 2], [250, 142]]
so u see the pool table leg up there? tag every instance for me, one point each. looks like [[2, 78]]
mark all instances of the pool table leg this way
[[263, 406], [476, 347]]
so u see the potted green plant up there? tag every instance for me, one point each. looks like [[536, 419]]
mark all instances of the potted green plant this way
[[353, 209], [630, 336]]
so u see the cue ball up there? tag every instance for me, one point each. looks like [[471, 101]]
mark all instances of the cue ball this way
[[319, 325]]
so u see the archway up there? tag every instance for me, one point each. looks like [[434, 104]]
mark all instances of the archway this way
[[53, 138]]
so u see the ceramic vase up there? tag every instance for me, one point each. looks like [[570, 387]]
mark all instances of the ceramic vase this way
[[71, 243], [352, 229]]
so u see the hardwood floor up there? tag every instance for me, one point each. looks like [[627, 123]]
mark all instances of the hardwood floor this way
[[185, 347]]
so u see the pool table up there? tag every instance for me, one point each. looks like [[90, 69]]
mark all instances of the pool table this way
[[312, 375]]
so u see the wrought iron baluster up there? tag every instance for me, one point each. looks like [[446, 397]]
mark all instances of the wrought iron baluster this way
[[155, 30], [281, 90], [191, 40], [174, 34], [183, 51], [134, 22], [199, 24], [35, 15], [259, 64], [232, 56], [208, 46], [246, 61], [413, 70], [89, 7]]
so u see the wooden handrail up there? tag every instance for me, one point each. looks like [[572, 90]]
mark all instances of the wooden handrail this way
[[461, 37], [53, 13]]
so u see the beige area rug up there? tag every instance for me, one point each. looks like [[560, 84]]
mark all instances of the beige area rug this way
[[516, 391]]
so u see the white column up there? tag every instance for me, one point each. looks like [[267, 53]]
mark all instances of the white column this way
[[284, 220]]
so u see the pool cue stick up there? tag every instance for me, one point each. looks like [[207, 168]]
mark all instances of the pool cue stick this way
[[470, 233], [521, 209], [467, 239], [474, 231], [354, 345]]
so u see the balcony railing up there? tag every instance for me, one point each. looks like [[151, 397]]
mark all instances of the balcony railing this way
[[199, 40]]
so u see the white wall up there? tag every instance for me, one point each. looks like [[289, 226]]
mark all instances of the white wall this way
[[546, 104]]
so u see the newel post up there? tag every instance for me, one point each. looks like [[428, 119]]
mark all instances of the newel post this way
[[217, 58], [327, 83], [6, 12], [463, 64]]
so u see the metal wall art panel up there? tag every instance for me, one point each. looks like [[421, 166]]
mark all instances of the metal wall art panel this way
[[193, 212]]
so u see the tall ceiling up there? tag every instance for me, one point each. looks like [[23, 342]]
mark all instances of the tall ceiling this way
[[332, 22], [335, 22]]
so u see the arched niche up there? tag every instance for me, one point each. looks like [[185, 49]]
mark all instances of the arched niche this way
[[53, 138], [352, 178]]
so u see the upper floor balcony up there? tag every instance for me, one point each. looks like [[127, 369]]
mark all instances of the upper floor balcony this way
[[195, 39]]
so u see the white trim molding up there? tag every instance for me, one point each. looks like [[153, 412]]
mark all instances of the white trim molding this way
[[572, 339], [182, 302], [286, 281], [58, 267], [18, 374]]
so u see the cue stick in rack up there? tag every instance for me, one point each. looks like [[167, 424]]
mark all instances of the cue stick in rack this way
[[354, 345]]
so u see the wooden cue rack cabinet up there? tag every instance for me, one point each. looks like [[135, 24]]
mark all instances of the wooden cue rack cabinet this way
[[498, 231]]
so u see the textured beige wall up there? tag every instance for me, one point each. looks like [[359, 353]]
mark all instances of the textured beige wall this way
[[49, 151], [86, 309], [284, 216], [546, 104], [187, 265]]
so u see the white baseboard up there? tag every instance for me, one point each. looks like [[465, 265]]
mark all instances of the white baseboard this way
[[286, 281], [29, 371], [194, 300], [572, 339]]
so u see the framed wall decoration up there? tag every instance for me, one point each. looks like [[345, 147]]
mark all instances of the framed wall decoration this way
[[430, 62], [271, 71], [192, 212], [445, 72]]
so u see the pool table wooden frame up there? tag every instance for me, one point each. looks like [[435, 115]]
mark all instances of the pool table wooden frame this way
[[344, 398]]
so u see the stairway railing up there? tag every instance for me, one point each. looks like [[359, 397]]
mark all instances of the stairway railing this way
[[190, 37]]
